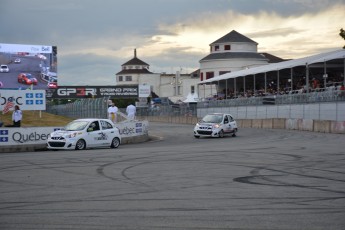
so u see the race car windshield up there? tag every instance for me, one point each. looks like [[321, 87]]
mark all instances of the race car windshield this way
[[76, 126], [213, 118]]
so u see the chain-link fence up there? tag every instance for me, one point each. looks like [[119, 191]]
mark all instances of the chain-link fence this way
[[168, 110], [97, 107], [82, 108]]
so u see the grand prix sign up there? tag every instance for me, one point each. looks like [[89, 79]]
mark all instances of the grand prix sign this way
[[130, 91], [26, 99]]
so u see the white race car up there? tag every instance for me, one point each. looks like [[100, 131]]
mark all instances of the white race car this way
[[85, 133], [216, 125]]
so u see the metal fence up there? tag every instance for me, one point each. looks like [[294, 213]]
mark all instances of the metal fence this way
[[168, 110], [83, 108], [294, 98], [97, 107]]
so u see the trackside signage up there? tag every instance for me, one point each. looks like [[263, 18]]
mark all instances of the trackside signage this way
[[93, 91], [25, 136], [26, 99], [39, 135], [12, 48]]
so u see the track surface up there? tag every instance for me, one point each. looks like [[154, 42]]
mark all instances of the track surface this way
[[261, 179]]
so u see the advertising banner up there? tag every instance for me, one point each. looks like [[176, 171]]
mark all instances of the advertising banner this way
[[26, 99], [93, 92], [39, 135], [12, 48], [144, 90], [25, 136]]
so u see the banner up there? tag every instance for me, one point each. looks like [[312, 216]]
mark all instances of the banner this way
[[93, 92], [13, 48], [26, 99]]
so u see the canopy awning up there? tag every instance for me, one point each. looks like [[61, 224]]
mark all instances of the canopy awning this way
[[318, 58]]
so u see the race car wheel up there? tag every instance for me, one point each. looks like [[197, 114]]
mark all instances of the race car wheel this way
[[80, 144], [234, 134], [221, 133], [115, 142]]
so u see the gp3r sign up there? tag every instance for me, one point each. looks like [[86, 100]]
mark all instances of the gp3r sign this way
[[26, 99]]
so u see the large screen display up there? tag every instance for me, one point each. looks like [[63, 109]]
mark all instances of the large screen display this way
[[28, 66]]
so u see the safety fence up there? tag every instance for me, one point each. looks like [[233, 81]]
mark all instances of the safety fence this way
[[294, 98], [97, 107], [83, 108]]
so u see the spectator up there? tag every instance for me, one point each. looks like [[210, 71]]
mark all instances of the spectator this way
[[342, 90], [112, 113], [110, 102], [17, 117], [131, 110]]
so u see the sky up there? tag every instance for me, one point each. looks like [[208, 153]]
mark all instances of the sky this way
[[94, 38]]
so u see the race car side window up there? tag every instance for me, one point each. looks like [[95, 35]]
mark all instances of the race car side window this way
[[94, 126], [106, 125], [231, 118], [226, 120]]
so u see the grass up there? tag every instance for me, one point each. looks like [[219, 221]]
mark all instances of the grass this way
[[36, 119]]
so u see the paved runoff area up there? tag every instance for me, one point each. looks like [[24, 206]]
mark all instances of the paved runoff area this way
[[261, 179]]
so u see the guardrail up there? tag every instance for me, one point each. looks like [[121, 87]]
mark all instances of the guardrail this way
[[315, 96]]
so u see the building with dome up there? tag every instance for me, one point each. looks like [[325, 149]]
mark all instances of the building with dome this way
[[231, 52]]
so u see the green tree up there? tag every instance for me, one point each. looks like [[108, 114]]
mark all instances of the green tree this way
[[342, 34]]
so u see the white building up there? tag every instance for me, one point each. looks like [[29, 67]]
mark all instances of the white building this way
[[229, 53], [173, 86]]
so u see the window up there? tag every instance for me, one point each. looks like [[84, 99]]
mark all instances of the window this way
[[209, 75], [231, 118], [178, 92], [192, 89], [227, 47], [223, 72], [216, 48], [94, 126], [120, 78], [106, 125], [128, 78], [201, 76]]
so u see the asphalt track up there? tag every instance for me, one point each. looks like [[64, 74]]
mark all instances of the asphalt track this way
[[261, 179]]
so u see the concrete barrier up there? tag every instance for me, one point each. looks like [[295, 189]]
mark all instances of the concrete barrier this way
[[267, 123], [26, 139], [322, 126], [311, 125], [338, 127]]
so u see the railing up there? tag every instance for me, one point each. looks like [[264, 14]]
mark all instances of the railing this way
[[98, 107], [83, 108], [296, 97]]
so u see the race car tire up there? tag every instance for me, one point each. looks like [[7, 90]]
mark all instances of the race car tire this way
[[115, 142], [80, 145]]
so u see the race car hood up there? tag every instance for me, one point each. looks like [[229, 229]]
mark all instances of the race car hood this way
[[63, 133]]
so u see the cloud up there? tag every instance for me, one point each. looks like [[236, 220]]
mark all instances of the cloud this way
[[95, 38]]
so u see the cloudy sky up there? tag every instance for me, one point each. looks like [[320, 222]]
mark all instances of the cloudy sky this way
[[94, 38]]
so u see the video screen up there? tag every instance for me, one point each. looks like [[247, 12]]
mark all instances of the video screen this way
[[28, 66]]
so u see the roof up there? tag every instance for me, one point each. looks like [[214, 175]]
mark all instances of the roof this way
[[131, 71], [233, 36], [272, 59], [233, 55], [318, 58], [135, 61]]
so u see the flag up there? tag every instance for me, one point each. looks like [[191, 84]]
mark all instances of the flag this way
[[8, 106]]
